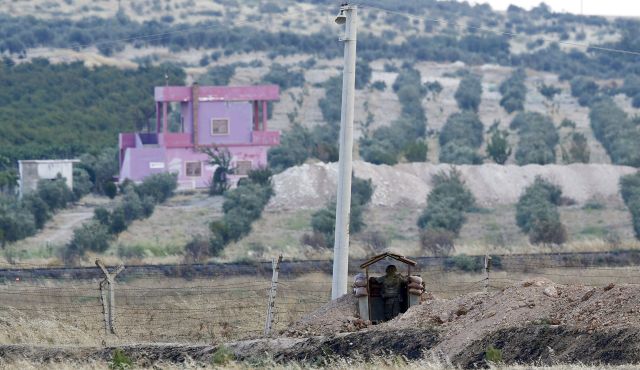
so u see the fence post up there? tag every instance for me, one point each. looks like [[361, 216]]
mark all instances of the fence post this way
[[110, 309], [275, 266], [487, 270]]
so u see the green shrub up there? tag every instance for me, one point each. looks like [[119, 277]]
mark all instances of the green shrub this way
[[464, 263], [493, 355], [469, 93], [323, 221], [159, 186], [548, 232], [55, 193], [82, 184], [438, 242], [38, 208], [578, 151], [617, 133], [537, 213], [514, 91], [416, 151], [630, 191], [132, 252], [387, 143], [460, 137], [379, 85], [198, 249], [222, 356], [295, 148], [363, 73], [284, 77], [585, 89], [498, 147], [110, 189], [549, 91], [16, 222], [91, 236], [447, 203], [537, 138], [120, 360]]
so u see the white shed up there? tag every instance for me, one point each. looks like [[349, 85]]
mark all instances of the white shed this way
[[32, 171]]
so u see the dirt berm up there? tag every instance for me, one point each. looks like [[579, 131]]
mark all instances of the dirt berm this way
[[312, 185], [531, 321]]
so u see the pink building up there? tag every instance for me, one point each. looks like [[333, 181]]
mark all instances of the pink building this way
[[191, 118]]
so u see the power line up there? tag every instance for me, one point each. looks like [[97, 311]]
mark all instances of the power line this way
[[505, 33]]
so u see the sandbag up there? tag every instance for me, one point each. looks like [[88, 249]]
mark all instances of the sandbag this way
[[413, 285], [415, 279], [415, 291], [360, 283], [360, 292]]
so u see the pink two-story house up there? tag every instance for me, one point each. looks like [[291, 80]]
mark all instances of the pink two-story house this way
[[189, 119]]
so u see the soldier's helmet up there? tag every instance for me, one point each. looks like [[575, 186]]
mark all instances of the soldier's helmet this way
[[391, 268]]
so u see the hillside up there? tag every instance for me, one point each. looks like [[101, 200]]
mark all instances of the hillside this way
[[439, 83]]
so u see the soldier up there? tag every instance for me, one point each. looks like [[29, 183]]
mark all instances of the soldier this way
[[391, 283]]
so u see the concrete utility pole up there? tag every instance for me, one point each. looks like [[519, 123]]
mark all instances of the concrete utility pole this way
[[347, 16]]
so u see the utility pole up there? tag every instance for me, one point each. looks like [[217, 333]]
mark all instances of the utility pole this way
[[347, 16]]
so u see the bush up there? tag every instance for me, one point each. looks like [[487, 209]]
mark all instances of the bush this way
[[197, 250], [110, 189], [323, 221], [469, 93], [91, 236], [537, 213], [617, 133], [498, 147], [38, 208], [55, 193], [578, 151], [159, 186], [549, 91], [447, 202], [416, 151], [548, 232], [514, 91], [379, 85], [585, 89], [438, 242], [630, 191], [16, 222], [538, 138], [134, 252], [461, 136], [82, 184], [284, 77], [295, 148], [387, 143]]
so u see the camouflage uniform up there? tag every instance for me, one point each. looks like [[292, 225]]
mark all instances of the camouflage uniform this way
[[391, 284]]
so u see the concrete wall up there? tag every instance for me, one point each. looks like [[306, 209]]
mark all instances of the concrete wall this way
[[33, 171]]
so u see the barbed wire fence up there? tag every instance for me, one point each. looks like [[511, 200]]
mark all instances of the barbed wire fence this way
[[209, 310]]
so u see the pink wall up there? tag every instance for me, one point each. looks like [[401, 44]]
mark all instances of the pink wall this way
[[138, 162], [240, 117]]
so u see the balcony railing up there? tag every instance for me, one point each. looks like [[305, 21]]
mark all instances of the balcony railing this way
[[265, 137]]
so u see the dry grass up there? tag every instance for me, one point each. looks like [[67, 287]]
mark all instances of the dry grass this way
[[395, 363], [152, 309]]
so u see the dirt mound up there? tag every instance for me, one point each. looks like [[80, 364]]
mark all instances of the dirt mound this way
[[334, 317], [538, 301], [312, 185], [463, 322]]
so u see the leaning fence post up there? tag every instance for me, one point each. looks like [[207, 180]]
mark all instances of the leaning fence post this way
[[110, 309], [487, 270], [275, 265]]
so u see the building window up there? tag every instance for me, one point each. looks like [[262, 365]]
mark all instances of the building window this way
[[243, 167], [194, 169], [219, 126]]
